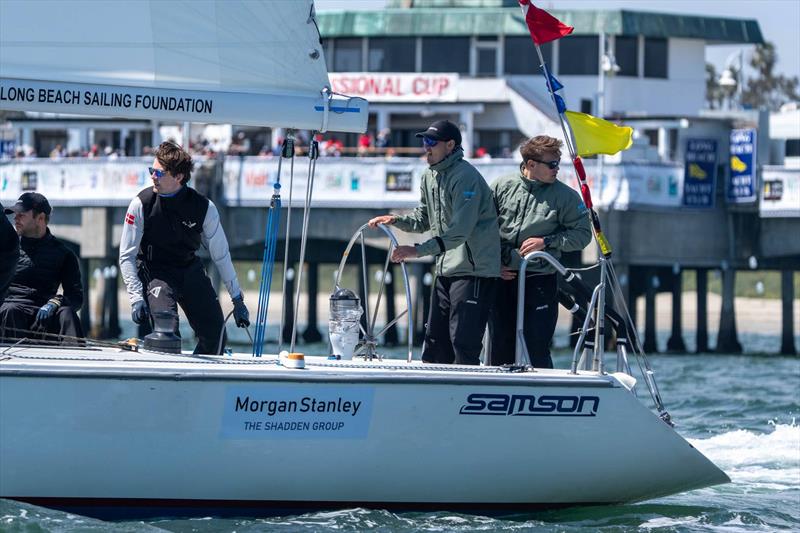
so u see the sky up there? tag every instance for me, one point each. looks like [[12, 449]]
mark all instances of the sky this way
[[779, 21]]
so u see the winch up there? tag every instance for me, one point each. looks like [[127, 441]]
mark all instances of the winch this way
[[343, 324]]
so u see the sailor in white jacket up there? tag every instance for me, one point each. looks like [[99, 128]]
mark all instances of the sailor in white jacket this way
[[164, 226]]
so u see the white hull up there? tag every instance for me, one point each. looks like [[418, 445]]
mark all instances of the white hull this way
[[100, 429]]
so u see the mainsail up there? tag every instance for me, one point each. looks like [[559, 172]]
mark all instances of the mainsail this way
[[249, 62]]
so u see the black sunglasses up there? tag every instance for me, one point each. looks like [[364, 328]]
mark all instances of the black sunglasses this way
[[552, 165], [159, 173]]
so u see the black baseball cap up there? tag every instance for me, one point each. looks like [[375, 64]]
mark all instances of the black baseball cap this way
[[442, 130], [28, 201]]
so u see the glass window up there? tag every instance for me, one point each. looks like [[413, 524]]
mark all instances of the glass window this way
[[655, 58], [792, 148], [577, 55], [626, 52], [445, 54], [392, 54], [487, 62], [521, 58], [347, 56]]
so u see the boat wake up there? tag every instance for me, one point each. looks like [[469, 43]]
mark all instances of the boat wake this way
[[762, 461]]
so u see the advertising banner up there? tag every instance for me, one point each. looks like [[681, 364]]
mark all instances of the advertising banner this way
[[780, 193], [396, 87], [700, 168], [741, 186]]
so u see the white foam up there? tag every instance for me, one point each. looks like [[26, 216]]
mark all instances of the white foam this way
[[766, 461]]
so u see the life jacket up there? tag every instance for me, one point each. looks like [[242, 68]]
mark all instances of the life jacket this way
[[173, 227]]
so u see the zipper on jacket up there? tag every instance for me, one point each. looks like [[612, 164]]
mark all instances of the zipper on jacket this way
[[524, 212], [469, 256], [439, 198]]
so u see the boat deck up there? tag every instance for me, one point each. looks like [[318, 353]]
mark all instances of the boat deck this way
[[108, 361]]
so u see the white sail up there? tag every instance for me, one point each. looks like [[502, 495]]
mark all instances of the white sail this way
[[213, 61]]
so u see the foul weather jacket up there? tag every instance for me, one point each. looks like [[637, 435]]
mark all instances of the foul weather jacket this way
[[43, 265], [456, 207], [9, 253], [529, 208]]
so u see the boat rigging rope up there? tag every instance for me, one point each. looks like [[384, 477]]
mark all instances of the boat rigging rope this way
[[268, 261], [54, 340], [313, 155]]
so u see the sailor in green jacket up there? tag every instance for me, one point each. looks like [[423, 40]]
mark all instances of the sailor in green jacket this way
[[456, 207], [535, 212]]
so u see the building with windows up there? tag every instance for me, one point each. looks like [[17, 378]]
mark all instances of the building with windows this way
[[422, 60]]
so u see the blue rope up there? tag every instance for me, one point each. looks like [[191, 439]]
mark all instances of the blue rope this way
[[267, 268]]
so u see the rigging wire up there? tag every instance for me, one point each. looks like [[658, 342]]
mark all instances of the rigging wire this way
[[313, 155]]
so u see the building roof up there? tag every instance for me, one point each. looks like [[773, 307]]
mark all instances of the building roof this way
[[454, 21]]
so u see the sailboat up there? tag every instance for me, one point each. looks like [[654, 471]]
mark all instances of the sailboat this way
[[127, 431]]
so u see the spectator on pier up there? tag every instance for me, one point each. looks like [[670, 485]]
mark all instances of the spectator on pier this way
[[33, 307], [164, 226], [535, 212], [456, 207]]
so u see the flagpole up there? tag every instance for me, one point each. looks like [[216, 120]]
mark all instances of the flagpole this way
[[580, 173]]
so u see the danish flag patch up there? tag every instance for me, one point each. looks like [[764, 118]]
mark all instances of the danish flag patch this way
[[129, 218]]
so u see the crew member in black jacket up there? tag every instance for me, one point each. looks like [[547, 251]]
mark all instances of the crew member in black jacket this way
[[33, 307], [9, 253], [164, 226]]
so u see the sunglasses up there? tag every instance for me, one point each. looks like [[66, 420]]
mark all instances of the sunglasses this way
[[158, 173], [430, 143], [552, 165]]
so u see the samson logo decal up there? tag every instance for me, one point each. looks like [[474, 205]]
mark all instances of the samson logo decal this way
[[530, 405]]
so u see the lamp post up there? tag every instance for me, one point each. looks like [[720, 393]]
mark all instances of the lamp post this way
[[728, 79], [608, 65]]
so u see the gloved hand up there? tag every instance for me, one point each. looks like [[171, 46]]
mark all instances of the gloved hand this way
[[44, 315], [240, 313], [139, 312]]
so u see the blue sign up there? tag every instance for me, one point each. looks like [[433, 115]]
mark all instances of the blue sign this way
[[700, 169], [7, 148], [741, 186]]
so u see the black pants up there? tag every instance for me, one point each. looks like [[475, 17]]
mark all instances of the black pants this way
[[17, 318], [457, 320], [189, 287], [541, 315]]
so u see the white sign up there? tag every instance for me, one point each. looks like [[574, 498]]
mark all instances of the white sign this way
[[372, 183], [297, 412], [396, 87], [75, 182], [780, 193]]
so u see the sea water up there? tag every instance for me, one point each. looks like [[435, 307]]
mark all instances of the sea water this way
[[741, 411]]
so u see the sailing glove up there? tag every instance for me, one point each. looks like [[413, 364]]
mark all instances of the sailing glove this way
[[44, 315], [139, 312], [240, 313]]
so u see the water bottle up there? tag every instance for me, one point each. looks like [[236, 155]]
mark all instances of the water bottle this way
[[345, 315]]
